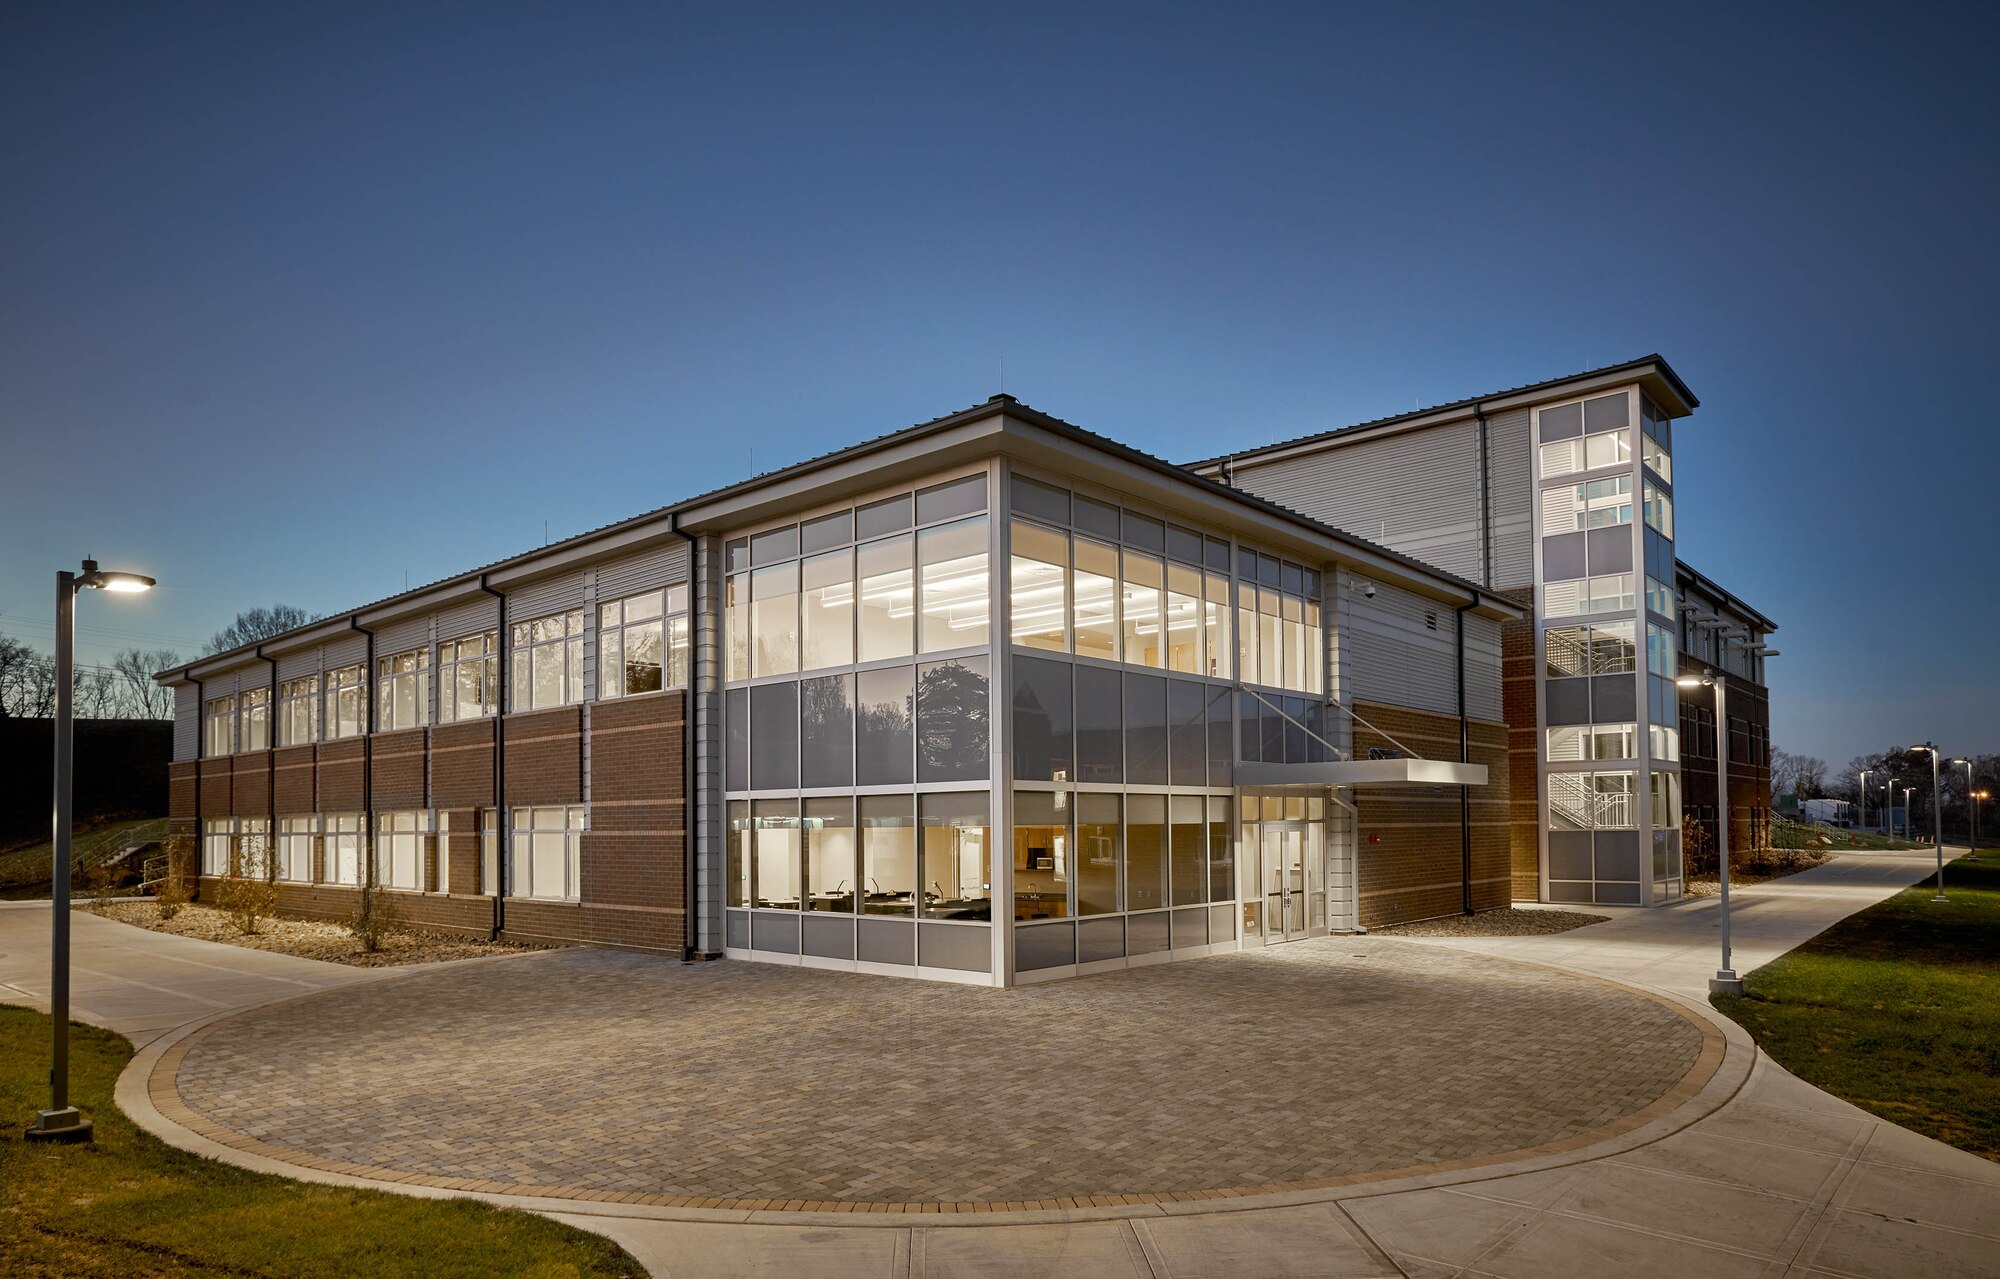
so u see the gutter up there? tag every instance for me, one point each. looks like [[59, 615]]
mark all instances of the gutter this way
[[690, 804], [1485, 502], [503, 827], [1464, 753], [200, 754]]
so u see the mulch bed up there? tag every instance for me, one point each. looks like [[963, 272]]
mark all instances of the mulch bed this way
[[308, 939]]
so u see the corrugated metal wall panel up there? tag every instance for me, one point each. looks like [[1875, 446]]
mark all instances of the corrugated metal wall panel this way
[[347, 650], [1417, 492], [1393, 654], [551, 595], [649, 570], [187, 721], [1482, 669], [1508, 445], [297, 665], [469, 618], [403, 634]]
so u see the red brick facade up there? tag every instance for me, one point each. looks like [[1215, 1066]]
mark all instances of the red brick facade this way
[[633, 856], [1409, 858], [1518, 681]]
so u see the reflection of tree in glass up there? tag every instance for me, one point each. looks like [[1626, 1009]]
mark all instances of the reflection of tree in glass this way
[[952, 730]]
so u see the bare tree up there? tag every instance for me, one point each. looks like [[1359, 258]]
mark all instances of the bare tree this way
[[97, 693], [140, 697], [1800, 775], [27, 681], [255, 624]]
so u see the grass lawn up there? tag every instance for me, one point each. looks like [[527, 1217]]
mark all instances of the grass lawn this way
[[131, 1205], [1897, 1009]]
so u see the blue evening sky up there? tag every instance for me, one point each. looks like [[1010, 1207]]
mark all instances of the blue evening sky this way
[[298, 300]]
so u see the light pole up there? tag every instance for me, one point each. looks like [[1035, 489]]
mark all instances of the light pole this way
[[61, 1121], [1861, 822], [1968, 790], [1937, 816], [1979, 798], [1725, 981]]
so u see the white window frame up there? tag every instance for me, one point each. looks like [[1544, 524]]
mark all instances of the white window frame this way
[[334, 684], [296, 698], [559, 825], [399, 847], [294, 842], [218, 726], [408, 671], [480, 651], [248, 703], [563, 631], [615, 624], [341, 845]]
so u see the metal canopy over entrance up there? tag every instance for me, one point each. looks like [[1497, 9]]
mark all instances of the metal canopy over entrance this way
[[1362, 772]]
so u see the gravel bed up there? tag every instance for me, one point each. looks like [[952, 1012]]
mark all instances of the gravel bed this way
[[308, 939], [1510, 921]]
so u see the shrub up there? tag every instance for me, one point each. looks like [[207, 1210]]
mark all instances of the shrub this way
[[247, 892], [1697, 849], [173, 891], [374, 919]]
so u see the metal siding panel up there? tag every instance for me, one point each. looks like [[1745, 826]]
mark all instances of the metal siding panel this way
[[347, 650], [403, 634], [556, 594], [1482, 669], [1417, 492], [469, 618], [661, 566], [299, 664], [1511, 494], [187, 721], [1394, 657]]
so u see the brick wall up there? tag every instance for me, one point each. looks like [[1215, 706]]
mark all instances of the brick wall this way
[[1749, 775], [250, 785], [1410, 859], [634, 868], [396, 766], [183, 780], [340, 776], [295, 773], [216, 795], [545, 757], [462, 765]]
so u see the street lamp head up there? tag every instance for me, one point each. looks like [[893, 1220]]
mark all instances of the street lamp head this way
[[1706, 679], [99, 579]]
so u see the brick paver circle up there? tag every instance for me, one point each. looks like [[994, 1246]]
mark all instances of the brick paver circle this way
[[596, 1071]]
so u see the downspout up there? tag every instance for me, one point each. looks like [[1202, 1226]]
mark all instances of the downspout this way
[[270, 762], [689, 804], [200, 755], [503, 828], [367, 761], [1464, 757], [1485, 501]]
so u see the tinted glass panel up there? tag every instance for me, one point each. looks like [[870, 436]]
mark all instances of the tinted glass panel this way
[[832, 868], [736, 715], [1099, 741], [886, 516], [952, 721], [888, 855], [826, 716], [949, 501], [1187, 859], [882, 727], [1041, 855], [1562, 423], [1183, 544], [1096, 854], [774, 545], [774, 736], [1145, 730], [1042, 728], [1187, 733], [826, 532], [1096, 517], [1043, 501], [1220, 756], [1145, 532], [1606, 413], [1145, 852]]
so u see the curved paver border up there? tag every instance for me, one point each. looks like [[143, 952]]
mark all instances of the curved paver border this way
[[161, 1095]]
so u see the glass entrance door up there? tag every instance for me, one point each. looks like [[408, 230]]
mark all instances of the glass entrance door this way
[[1285, 895]]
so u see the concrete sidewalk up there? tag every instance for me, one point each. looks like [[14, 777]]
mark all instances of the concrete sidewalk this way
[[1759, 1175], [141, 983]]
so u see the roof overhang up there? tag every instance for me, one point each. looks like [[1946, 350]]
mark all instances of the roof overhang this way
[[1363, 772]]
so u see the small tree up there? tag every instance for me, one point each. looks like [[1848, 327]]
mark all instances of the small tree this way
[[374, 919], [173, 890], [1697, 849], [249, 891]]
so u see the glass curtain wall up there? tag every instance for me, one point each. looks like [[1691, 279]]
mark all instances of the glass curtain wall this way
[[857, 662], [1610, 711]]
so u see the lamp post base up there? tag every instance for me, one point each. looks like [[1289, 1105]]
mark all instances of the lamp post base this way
[[1725, 982], [67, 1126]]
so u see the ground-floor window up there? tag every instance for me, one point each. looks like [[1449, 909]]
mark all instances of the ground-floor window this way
[[1103, 853], [217, 834], [928, 855], [253, 858], [295, 837], [399, 849], [544, 859], [343, 848]]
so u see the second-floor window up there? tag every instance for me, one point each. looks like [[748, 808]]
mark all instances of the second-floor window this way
[[468, 676], [547, 662], [298, 711], [218, 734], [346, 702], [403, 690], [255, 708], [642, 643]]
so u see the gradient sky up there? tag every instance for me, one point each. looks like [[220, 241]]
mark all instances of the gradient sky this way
[[297, 300]]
